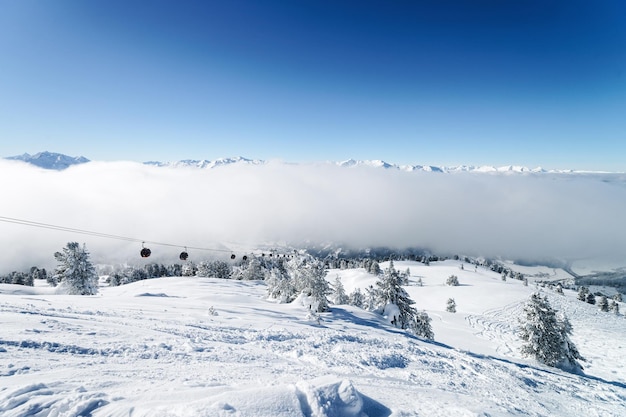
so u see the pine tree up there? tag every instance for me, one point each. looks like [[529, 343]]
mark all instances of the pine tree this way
[[356, 298], [591, 299], [374, 268], [603, 305], [420, 326], [340, 296], [75, 271], [254, 270], [582, 293], [546, 337], [451, 306], [614, 307], [372, 298], [618, 297], [309, 278], [280, 286], [392, 293]]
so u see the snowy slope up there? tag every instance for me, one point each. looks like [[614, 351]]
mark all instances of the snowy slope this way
[[209, 347]]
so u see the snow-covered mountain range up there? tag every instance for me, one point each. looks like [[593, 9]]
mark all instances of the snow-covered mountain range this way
[[57, 161], [50, 160]]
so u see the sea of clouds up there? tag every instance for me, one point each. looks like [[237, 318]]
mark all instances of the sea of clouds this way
[[239, 207]]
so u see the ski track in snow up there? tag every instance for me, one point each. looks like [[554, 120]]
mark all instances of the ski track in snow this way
[[126, 353], [499, 325]]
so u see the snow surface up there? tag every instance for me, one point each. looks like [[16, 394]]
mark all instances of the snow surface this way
[[210, 347]]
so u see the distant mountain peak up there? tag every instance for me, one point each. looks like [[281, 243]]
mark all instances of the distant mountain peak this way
[[50, 160], [205, 163]]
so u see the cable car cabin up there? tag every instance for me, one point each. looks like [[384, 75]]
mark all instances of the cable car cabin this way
[[245, 257], [232, 256], [183, 256], [145, 252]]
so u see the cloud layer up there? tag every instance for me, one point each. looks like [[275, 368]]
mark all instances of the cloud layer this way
[[239, 207]]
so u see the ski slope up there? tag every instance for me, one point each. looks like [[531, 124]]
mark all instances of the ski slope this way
[[210, 347]]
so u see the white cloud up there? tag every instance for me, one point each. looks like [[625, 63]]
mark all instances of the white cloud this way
[[563, 216]]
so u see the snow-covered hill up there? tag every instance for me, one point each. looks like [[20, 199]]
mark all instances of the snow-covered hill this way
[[209, 347]]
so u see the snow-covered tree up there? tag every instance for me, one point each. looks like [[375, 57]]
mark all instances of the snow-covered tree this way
[[451, 305], [356, 298], [591, 299], [189, 269], [371, 299], [393, 296], [452, 281], [614, 307], [212, 269], [75, 271], [374, 268], [583, 292], [340, 296], [420, 326], [309, 278], [280, 286], [253, 271], [603, 304], [546, 336], [618, 297]]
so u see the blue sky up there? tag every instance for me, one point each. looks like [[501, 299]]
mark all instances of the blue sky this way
[[442, 82]]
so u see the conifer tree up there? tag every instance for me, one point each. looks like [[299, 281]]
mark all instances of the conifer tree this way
[[582, 293], [75, 271], [280, 286], [356, 298], [603, 304], [451, 305], [340, 296], [309, 278], [253, 271], [391, 292], [420, 326], [546, 336], [374, 268], [371, 300]]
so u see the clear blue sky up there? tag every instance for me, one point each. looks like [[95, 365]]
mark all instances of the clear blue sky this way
[[532, 82]]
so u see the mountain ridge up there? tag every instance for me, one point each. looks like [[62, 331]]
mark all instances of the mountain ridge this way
[[58, 161]]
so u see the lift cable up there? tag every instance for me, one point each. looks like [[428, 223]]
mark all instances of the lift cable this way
[[102, 235]]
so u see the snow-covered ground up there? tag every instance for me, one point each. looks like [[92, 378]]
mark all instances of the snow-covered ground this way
[[210, 347]]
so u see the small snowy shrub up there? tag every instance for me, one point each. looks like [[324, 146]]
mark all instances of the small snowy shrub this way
[[451, 306], [452, 281]]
